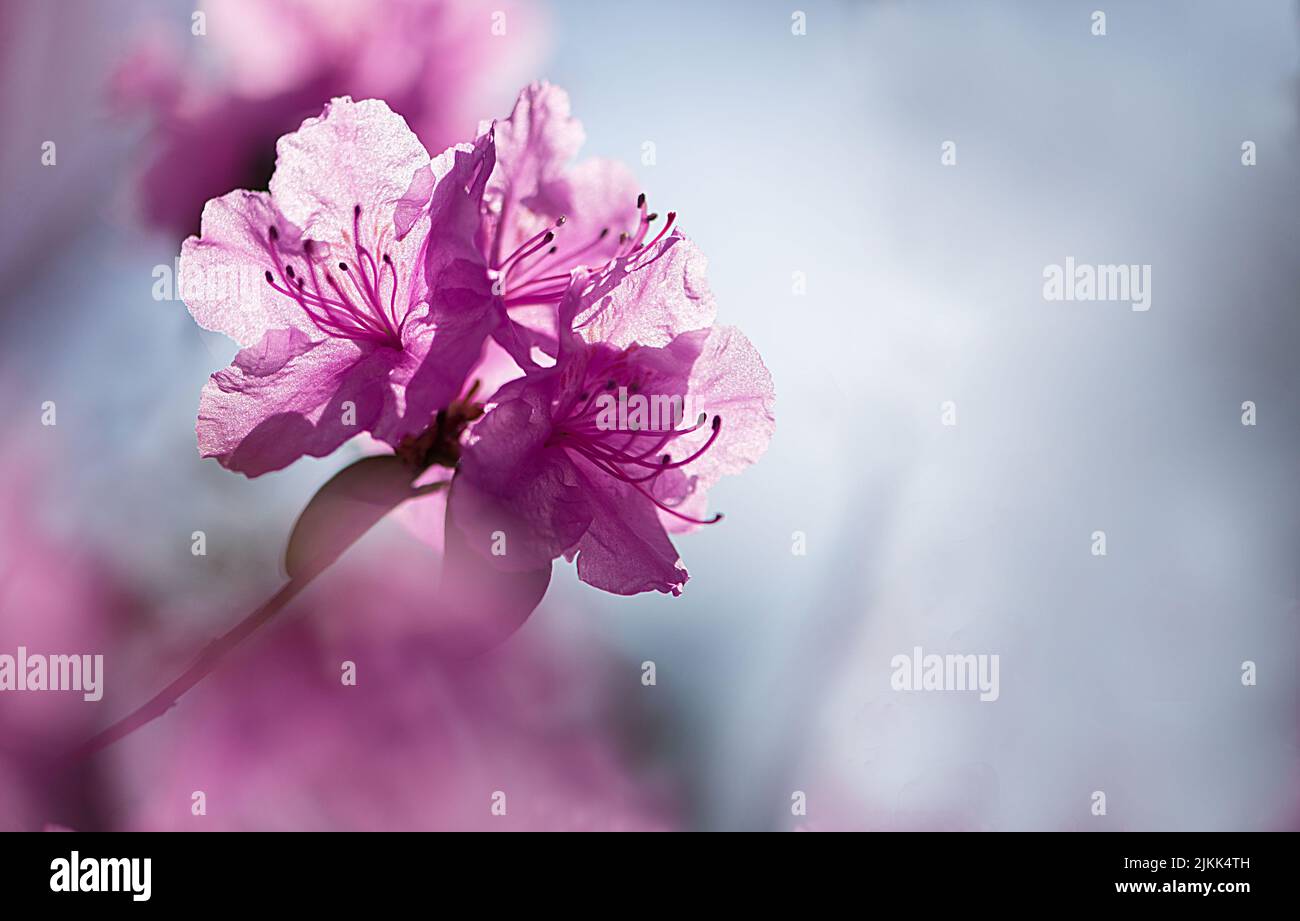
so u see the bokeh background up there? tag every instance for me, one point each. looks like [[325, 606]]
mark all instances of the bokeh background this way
[[783, 153]]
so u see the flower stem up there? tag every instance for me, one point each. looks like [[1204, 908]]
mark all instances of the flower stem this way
[[337, 516], [206, 662]]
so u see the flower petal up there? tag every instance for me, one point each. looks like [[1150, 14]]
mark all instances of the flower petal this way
[[534, 144], [462, 310], [353, 153], [222, 270], [287, 397], [514, 495], [650, 305], [625, 550], [727, 379]]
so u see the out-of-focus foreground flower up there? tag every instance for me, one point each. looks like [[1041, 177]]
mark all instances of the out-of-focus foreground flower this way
[[56, 599], [278, 740]]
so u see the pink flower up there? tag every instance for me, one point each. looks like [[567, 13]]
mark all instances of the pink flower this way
[[272, 63], [553, 469], [322, 282], [543, 218], [540, 218]]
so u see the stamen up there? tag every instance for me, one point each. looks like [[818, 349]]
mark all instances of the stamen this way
[[639, 467], [358, 314]]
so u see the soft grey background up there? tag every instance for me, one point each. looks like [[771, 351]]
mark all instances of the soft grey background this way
[[820, 154]]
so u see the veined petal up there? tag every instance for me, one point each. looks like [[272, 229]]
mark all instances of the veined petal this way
[[535, 143], [665, 293], [353, 153], [222, 270], [727, 379], [625, 550], [288, 396], [513, 492]]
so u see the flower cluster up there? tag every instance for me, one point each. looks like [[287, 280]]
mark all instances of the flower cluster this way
[[498, 275]]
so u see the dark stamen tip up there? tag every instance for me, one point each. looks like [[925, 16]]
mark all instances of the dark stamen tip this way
[[717, 423], [716, 518], [561, 220], [604, 232], [269, 278], [288, 270], [652, 216], [666, 459], [552, 251], [308, 246], [388, 260], [273, 233], [640, 200], [343, 266], [550, 235], [356, 211], [700, 419]]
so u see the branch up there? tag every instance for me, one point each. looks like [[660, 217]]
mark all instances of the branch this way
[[208, 659], [340, 512]]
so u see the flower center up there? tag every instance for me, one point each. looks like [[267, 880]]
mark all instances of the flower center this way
[[627, 449], [362, 306], [526, 278]]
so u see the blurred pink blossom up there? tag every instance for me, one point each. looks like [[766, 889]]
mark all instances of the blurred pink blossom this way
[[276, 740], [56, 598], [219, 101]]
